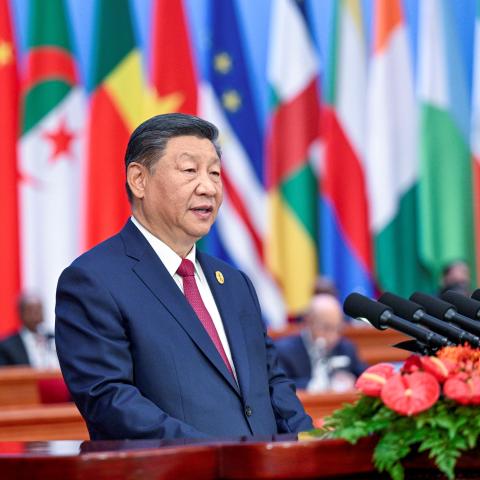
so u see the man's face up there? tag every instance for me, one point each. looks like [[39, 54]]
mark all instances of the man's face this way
[[328, 328], [180, 197], [325, 319], [32, 314]]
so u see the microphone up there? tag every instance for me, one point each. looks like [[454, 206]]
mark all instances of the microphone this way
[[440, 309], [382, 317], [476, 294], [416, 313], [466, 306]]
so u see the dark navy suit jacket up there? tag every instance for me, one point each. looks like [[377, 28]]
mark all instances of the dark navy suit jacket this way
[[13, 351], [139, 364], [295, 360]]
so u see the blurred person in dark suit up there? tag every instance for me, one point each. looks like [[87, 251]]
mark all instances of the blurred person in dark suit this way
[[31, 345], [323, 285], [157, 339], [319, 358], [456, 277]]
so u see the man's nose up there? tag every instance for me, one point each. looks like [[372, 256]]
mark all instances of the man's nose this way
[[206, 185]]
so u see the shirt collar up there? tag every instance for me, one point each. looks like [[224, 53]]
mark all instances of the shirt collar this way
[[170, 259]]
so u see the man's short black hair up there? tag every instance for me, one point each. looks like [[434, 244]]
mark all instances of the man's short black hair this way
[[149, 140]]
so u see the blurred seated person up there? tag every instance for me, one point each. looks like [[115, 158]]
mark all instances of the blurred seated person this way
[[31, 345], [319, 358], [323, 285], [456, 277]]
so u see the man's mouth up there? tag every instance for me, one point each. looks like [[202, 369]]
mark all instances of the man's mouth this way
[[205, 209]]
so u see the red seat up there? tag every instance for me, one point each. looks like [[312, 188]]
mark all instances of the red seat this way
[[53, 390]]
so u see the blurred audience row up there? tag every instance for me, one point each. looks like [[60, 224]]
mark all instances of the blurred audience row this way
[[318, 359], [32, 345]]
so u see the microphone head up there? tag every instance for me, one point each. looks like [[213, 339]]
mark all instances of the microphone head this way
[[476, 294], [433, 305], [466, 306], [402, 307], [360, 306]]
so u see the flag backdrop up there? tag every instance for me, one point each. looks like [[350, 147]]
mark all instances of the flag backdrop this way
[[350, 135], [51, 156], [294, 126], [117, 86], [391, 156], [9, 246], [347, 246]]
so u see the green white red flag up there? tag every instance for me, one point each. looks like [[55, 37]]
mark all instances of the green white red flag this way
[[51, 153]]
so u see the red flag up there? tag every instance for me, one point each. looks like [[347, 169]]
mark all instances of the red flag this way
[[173, 72], [9, 257]]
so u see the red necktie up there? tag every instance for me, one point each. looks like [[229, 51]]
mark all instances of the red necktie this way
[[187, 271]]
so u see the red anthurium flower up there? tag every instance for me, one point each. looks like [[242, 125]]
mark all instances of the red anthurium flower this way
[[439, 368], [410, 393], [464, 389], [412, 364], [373, 379]]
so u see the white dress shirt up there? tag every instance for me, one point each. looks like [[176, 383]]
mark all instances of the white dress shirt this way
[[329, 372], [172, 261], [40, 350]]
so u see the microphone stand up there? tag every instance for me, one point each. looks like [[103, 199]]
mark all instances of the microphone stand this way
[[416, 346]]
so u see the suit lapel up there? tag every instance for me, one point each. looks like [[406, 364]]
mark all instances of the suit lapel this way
[[304, 361], [20, 353], [223, 293], [155, 276]]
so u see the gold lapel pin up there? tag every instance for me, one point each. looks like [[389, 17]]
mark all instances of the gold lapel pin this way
[[220, 278]]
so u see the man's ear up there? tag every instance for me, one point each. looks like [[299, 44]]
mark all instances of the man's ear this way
[[136, 178]]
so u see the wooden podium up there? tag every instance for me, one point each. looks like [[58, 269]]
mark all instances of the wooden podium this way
[[278, 458]]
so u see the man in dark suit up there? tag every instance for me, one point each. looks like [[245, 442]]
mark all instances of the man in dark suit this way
[[158, 340], [30, 346], [320, 358], [456, 276]]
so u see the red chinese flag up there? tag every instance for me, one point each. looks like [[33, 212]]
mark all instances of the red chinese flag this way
[[9, 248], [172, 68]]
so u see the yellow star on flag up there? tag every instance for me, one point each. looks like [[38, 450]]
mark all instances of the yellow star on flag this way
[[154, 104], [133, 98], [231, 100], [222, 62], [6, 53]]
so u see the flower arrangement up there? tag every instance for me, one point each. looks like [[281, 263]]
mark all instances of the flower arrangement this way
[[431, 404]]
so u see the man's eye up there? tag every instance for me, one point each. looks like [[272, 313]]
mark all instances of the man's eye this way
[[215, 173], [189, 170]]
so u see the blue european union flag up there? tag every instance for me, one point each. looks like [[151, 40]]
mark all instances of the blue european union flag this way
[[230, 80]]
